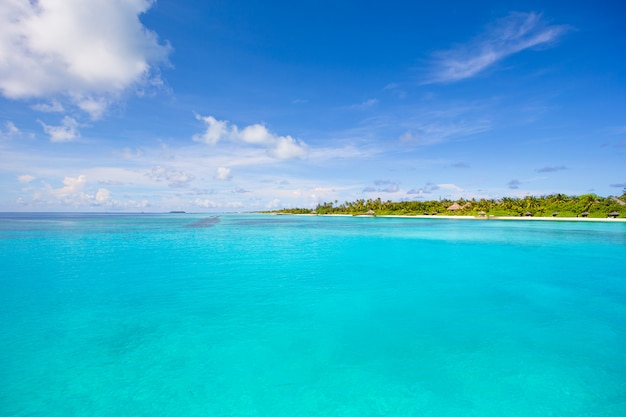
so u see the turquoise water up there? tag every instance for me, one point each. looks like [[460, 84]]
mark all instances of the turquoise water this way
[[251, 315]]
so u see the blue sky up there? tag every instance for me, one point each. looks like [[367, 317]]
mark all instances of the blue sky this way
[[132, 105]]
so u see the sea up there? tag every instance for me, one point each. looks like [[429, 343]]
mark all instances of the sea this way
[[261, 315]]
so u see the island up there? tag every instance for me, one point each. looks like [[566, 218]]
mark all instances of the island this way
[[554, 206]]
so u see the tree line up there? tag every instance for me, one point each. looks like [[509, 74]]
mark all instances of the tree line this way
[[554, 205]]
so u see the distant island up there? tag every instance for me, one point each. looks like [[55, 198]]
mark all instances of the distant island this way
[[554, 205]]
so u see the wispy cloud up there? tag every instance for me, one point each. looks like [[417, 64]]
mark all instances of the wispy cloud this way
[[25, 179], [461, 165], [514, 184], [552, 169], [509, 35], [9, 131], [369, 103], [175, 178], [384, 186], [66, 132], [53, 107], [431, 133]]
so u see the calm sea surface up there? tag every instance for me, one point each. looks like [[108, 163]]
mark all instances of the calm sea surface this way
[[252, 315]]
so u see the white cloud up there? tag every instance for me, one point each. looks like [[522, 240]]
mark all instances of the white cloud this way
[[287, 147], [94, 106], [449, 187], [509, 35], [103, 195], [73, 193], [25, 179], [9, 131], [437, 132], [274, 204], [215, 130], [206, 203], [279, 147], [256, 134], [222, 174], [67, 132], [365, 105], [175, 178], [71, 186], [88, 52], [53, 107]]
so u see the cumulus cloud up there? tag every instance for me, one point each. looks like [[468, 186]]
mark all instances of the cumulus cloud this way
[[74, 193], [70, 187], [279, 147], [88, 53], [509, 35], [286, 147], [215, 130], [103, 195], [222, 174], [175, 178], [66, 132]]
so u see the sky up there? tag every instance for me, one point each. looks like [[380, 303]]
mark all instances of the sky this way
[[198, 105]]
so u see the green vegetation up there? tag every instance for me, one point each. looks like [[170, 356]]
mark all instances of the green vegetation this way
[[554, 205]]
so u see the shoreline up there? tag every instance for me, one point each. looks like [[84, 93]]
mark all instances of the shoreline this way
[[483, 218]]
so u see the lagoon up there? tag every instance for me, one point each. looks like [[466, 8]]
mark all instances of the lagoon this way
[[256, 315]]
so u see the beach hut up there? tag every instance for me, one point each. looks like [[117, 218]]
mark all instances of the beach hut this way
[[584, 214], [556, 213], [482, 213], [370, 213], [455, 207], [528, 214], [426, 213], [613, 214]]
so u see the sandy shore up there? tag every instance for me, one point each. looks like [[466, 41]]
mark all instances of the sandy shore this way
[[514, 218]]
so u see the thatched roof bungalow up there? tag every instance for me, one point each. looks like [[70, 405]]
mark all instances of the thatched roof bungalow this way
[[455, 206], [613, 214]]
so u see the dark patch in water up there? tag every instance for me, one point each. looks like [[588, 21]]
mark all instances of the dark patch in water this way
[[208, 222]]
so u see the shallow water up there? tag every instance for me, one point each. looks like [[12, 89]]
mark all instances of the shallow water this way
[[105, 315]]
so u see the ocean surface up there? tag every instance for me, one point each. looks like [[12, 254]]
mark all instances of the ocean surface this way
[[258, 315]]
